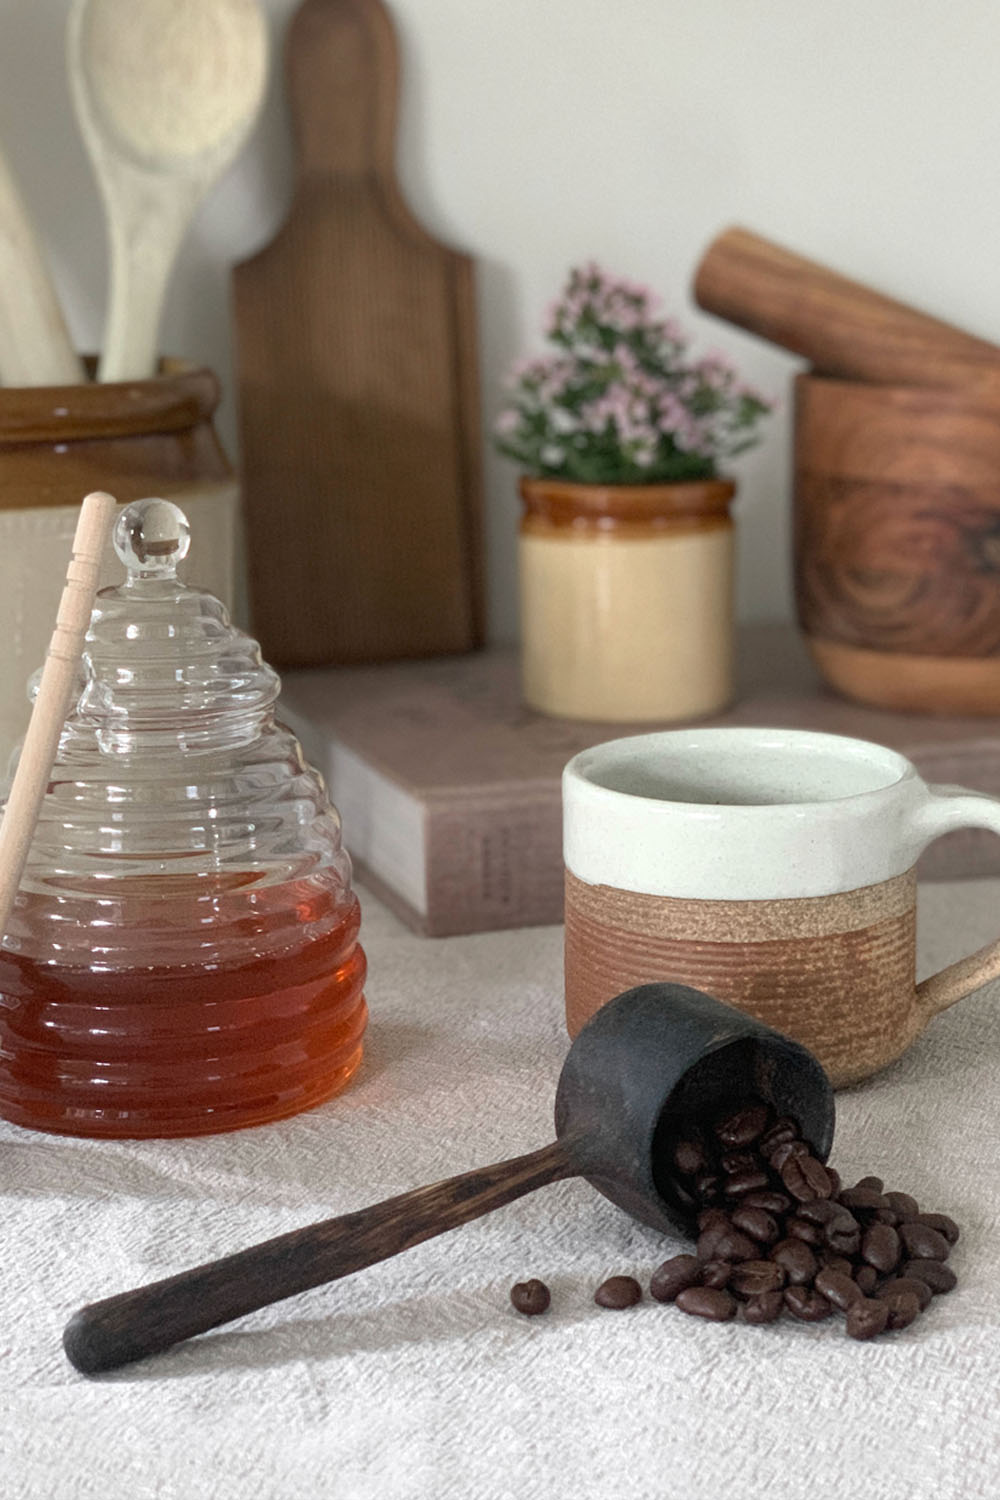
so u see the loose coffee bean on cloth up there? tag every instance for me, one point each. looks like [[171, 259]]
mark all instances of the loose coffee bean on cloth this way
[[618, 1292], [530, 1297]]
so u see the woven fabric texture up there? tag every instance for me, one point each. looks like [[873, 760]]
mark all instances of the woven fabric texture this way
[[415, 1380]]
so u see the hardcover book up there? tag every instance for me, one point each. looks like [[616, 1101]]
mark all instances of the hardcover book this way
[[449, 786]]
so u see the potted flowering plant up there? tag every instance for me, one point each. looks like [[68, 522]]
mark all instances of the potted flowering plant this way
[[626, 538], [619, 402]]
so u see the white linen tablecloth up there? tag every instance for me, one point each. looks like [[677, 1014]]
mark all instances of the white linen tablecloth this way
[[416, 1378]]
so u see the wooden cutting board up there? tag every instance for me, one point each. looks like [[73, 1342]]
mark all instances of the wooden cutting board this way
[[357, 382]]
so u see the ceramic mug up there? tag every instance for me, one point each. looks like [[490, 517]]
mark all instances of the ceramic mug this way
[[773, 869]]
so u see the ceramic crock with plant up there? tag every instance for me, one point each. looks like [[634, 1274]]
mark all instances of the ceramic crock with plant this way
[[626, 541]]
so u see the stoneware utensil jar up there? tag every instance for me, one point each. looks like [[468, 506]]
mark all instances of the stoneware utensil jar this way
[[136, 438], [773, 869], [897, 542], [626, 599]]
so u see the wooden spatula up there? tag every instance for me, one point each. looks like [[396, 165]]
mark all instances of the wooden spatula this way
[[356, 367]]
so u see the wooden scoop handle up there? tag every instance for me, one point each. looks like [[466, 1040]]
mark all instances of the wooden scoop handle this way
[[121, 1329], [844, 328], [343, 81]]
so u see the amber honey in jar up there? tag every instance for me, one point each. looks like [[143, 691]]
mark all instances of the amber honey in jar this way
[[183, 956]]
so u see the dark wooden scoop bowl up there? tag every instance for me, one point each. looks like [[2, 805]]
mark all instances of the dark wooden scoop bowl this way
[[652, 1055]]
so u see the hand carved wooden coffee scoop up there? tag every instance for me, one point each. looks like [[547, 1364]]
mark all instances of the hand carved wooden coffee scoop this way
[[654, 1054]]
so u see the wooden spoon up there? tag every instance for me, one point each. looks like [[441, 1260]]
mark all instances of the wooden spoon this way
[[166, 92], [35, 348]]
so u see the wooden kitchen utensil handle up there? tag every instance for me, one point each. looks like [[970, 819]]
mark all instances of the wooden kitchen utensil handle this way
[[355, 333], [135, 1324], [342, 70], [35, 346], [843, 327]]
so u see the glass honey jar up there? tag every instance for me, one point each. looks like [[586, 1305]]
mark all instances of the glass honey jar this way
[[183, 955]]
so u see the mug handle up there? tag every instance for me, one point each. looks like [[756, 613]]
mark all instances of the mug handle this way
[[949, 808]]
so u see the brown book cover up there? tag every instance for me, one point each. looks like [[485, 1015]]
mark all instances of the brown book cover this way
[[449, 787]]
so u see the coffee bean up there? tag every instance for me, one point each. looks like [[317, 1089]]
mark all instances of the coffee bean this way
[[716, 1273], [867, 1317], [862, 1198], [769, 1200], [939, 1277], [673, 1276], [783, 1153], [942, 1224], [880, 1216], [905, 1206], [618, 1292], [765, 1308], [754, 1277], [805, 1304], [738, 1183], [875, 1183], [760, 1226], [706, 1185], [744, 1125], [690, 1158], [740, 1161], [837, 1288], [834, 1262], [685, 1199], [778, 1134], [530, 1297], [921, 1243], [913, 1284], [904, 1308], [805, 1177], [726, 1244], [843, 1234], [880, 1247], [709, 1217], [796, 1260], [867, 1279], [707, 1302], [801, 1229], [818, 1210]]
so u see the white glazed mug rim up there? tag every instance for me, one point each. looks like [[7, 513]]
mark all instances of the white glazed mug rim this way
[[760, 850], [864, 752]]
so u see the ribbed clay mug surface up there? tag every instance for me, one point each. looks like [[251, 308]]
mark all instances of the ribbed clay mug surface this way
[[773, 869]]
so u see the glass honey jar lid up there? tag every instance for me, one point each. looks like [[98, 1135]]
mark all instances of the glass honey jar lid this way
[[183, 955]]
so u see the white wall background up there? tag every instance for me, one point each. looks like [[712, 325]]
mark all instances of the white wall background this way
[[539, 133]]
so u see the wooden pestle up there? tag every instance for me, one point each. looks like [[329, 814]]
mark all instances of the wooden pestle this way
[[843, 327]]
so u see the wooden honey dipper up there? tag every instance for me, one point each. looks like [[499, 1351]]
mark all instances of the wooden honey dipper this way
[[54, 691]]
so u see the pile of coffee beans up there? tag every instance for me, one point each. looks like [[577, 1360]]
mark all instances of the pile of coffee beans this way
[[779, 1233]]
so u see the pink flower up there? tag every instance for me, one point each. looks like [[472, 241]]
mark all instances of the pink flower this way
[[507, 422]]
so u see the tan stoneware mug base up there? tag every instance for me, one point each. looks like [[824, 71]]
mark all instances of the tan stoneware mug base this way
[[663, 886]]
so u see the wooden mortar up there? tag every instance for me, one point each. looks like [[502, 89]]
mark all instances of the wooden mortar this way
[[897, 543]]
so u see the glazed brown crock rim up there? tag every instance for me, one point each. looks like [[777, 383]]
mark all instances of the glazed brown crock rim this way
[[635, 502], [181, 395]]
